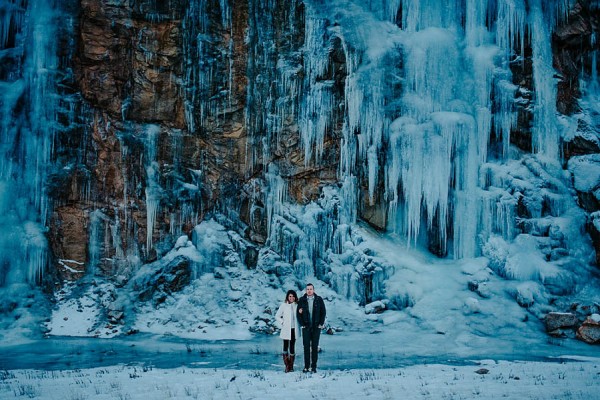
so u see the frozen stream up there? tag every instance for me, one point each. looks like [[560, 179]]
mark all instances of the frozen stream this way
[[59, 353], [339, 352]]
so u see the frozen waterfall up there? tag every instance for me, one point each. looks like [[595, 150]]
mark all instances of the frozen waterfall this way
[[400, 108], [428, 142]]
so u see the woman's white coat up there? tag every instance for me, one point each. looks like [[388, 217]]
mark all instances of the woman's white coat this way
[[286, 318]]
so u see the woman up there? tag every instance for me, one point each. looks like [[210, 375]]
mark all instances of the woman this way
[[290, 330]]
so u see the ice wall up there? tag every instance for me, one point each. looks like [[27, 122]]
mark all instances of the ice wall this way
[[429, 106], [456, 86]]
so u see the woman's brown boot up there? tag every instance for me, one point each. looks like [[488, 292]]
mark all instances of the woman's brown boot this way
[[286, 361]]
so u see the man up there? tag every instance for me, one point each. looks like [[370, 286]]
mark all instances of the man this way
[[311, 314]]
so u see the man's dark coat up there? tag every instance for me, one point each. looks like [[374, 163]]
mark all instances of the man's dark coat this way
[[318, 310]]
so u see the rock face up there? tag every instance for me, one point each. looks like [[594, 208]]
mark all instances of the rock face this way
[[130, 59], [149, 142]]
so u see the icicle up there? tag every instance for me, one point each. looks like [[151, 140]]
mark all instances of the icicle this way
[[421, 14], [303, 268], [346, 282], [510, 25], [510, 34], [431, 56], [125, 204], [390, 9], [594, 72], [365, 107], [116, 236], [11, 22], [315, 119], [349, 205], [423, 143], [273, 87], [36, 251], [505, 117], [483, 75]]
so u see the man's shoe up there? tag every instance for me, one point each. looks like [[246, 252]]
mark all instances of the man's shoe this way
[[305, 370], [313, 370]]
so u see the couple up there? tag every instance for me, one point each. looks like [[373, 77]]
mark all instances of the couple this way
[[308, 313]]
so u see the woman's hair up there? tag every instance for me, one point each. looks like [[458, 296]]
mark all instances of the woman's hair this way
[[293, 292]]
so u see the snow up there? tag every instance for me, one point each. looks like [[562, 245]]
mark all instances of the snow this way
[[586, 172], [472, 306], [556, 379], [80, 316]]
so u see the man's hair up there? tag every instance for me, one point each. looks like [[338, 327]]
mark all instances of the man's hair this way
[[310, 284]]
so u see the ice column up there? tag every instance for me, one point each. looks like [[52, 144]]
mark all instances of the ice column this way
[[96, 240], [594, 71], [365, 103], [276, 194], [348, 146], [511, 20], [545, 124]]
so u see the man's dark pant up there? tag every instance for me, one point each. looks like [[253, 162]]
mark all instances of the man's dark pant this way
[[310, 339]]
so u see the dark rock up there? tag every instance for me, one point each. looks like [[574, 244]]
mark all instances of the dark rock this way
[[556, 320], [589, 331], [170, 279], [480, 288], [580, 145], [593, 227]]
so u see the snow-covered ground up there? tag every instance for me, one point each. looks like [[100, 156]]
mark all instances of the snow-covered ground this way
[[573, 379]]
